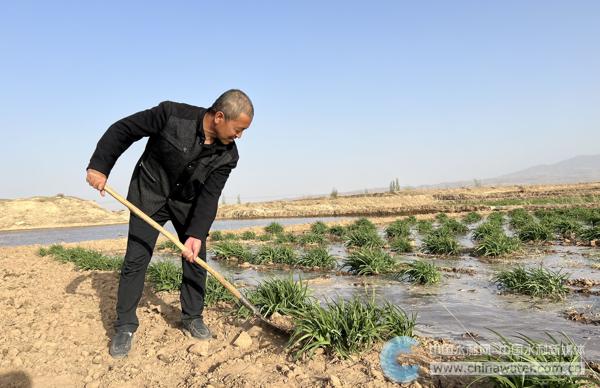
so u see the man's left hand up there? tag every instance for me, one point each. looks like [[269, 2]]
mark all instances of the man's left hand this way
[[192, 245]]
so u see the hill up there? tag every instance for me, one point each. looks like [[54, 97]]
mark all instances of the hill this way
[[55, 212], [584, 168]]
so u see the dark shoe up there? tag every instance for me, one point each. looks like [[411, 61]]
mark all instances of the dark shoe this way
[[197, 329], [120, 344]]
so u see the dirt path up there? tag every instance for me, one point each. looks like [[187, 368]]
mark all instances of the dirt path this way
[[57, 323]]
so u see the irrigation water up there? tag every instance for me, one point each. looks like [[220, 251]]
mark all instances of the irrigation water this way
[[87, 233]]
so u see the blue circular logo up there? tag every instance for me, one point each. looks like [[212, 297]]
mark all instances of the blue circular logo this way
[[388, 359]]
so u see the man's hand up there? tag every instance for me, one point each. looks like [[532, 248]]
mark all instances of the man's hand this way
[[96, 179], [192, 245]]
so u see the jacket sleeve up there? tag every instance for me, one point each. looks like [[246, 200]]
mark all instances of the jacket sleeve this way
[[207, 202], [119, 136]]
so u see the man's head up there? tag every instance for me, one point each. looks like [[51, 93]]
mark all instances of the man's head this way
[[230, 115]]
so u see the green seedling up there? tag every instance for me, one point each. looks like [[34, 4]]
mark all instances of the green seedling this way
[[369, 261], [274, 228], [164, 275], [486, 229], [421, 272], [286, 238], [401, 245], [496, 217], [231, 250], [497, 244], [167, 245], [216, 292], [83, 259], [362, 224], [317, 257], [217, 235], [536, 353], [590, 233], [534, 231], [399, 228], [319, 227], [454, 227], [359, 238], [537, 282], [471, 218], [344, 328], [337, 231], [248, 235], [313, 238], [277, 254], [424, 227], [283, 296], [440, 242]]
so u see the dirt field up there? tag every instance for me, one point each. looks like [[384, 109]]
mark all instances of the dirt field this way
[[57, 324], [64, 211]]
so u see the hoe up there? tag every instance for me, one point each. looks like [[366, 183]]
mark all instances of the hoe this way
[[234, 291]]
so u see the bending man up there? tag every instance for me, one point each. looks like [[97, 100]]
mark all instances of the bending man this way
[[179, 178]]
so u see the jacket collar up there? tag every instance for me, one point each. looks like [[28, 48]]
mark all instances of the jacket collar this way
[[218, 145], [200, 127]]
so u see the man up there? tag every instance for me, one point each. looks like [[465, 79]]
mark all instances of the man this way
[[179, 177]]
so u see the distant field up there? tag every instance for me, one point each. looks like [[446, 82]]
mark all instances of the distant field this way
[[407, 202]]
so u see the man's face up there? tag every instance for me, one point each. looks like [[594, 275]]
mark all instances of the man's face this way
[[229, 130]]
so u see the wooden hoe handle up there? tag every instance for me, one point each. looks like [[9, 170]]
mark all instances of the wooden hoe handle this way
[[234, 291]]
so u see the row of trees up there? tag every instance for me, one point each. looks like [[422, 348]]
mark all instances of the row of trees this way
[[224, 200], [394, 185]]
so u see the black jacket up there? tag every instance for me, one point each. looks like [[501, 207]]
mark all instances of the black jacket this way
[[176, 169]]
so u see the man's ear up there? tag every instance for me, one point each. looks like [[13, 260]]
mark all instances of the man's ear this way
[[219, 116]]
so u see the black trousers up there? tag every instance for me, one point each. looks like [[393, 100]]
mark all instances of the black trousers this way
[[140, 246]]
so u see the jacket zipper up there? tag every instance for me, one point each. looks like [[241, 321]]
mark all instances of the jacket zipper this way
[[147, 172]]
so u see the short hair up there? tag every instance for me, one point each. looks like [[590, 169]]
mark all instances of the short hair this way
[[233, 103]]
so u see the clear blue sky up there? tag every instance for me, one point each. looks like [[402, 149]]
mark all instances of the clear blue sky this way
[[347, 94]]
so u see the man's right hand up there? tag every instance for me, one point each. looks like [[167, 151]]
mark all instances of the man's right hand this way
[[96, 179]]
